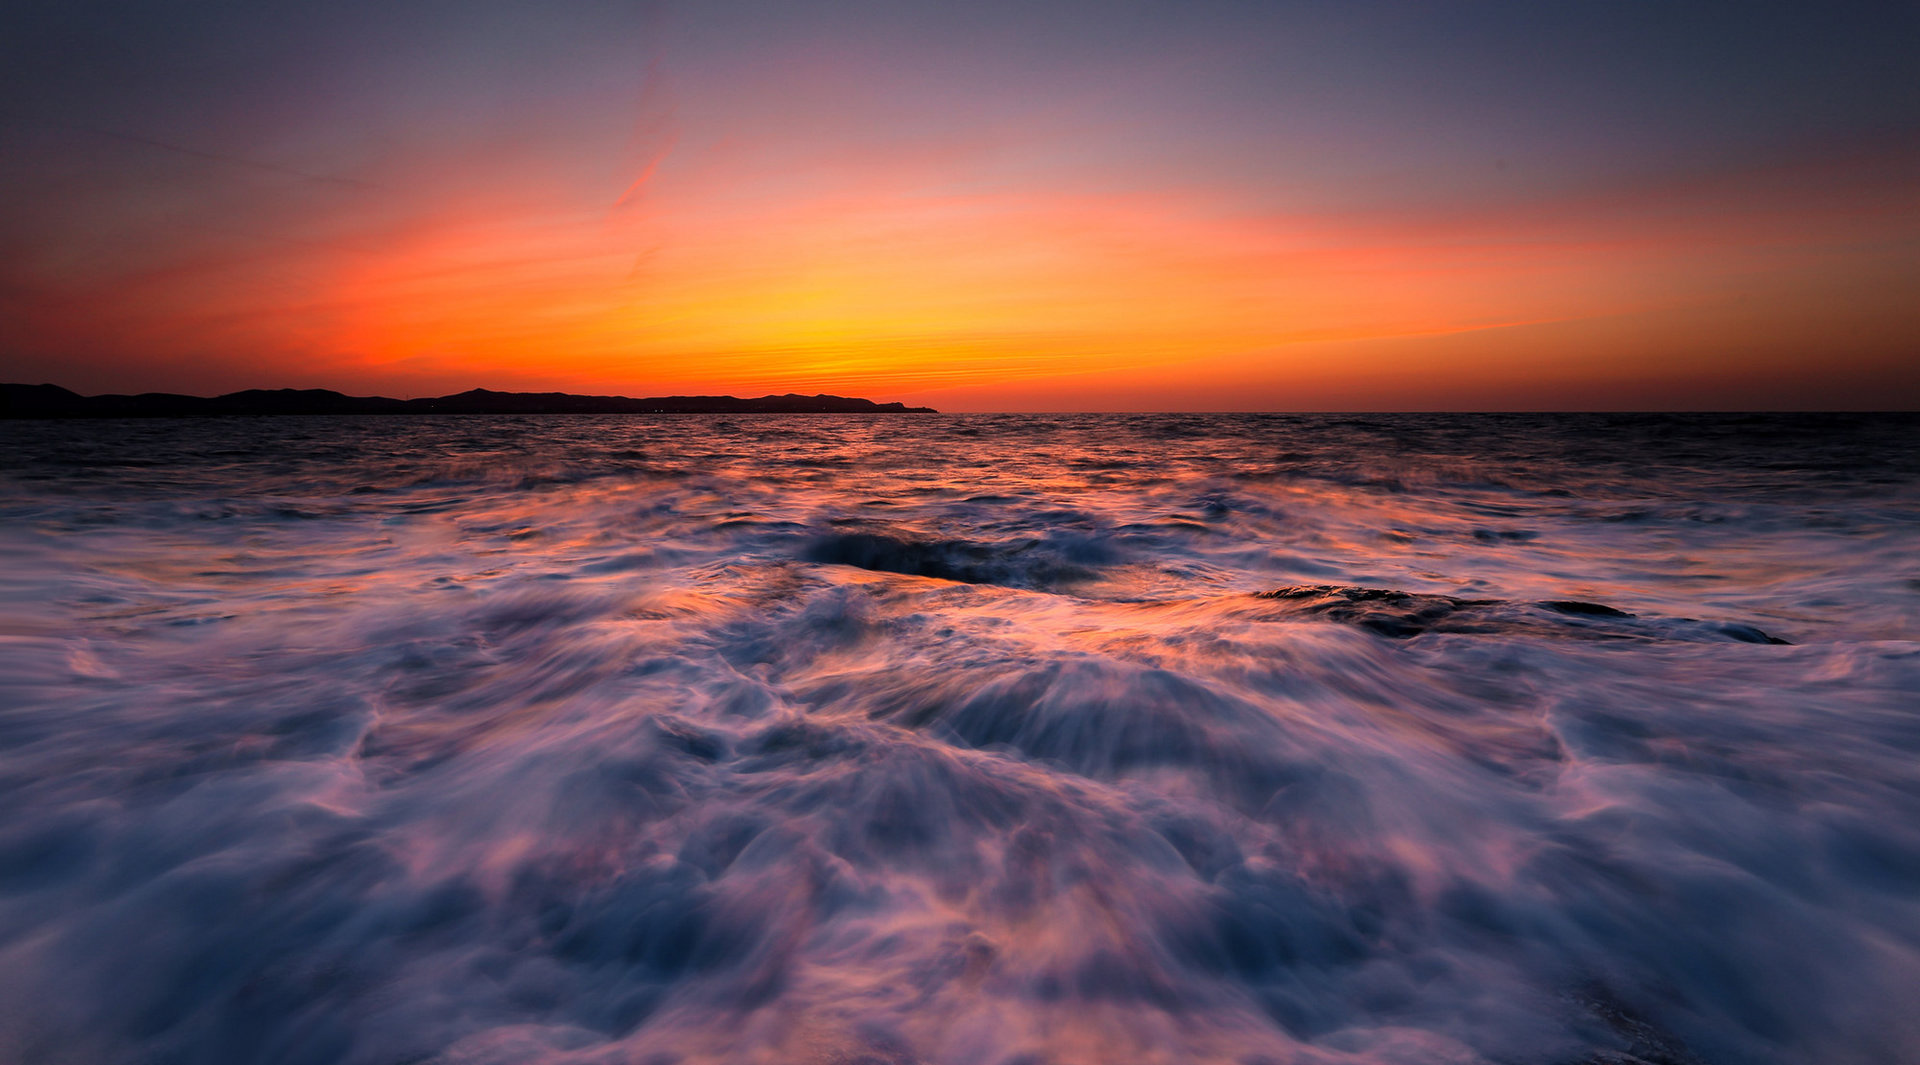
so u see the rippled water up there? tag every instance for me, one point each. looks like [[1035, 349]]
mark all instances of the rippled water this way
[[961, 740]]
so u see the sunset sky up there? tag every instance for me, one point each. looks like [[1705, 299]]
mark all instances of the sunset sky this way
[[980, 206]]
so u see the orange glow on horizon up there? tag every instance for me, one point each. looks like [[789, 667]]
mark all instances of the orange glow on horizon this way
[[974, 207], [894, 287]]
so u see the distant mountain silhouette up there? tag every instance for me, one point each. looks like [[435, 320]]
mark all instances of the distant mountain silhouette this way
[[52, 401]]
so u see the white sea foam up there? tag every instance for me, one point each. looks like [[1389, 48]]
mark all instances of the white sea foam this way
[[968, 740]]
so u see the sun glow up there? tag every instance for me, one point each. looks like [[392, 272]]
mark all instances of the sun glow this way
[[891, 291]]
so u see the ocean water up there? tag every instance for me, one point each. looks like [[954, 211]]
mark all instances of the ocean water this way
[[961, 739]]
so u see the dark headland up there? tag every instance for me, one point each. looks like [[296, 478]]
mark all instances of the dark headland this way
[[52, 401]]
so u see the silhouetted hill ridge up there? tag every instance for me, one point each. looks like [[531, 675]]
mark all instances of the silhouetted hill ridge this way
[[52, 401]]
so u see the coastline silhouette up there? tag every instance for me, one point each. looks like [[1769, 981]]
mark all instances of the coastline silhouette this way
[[52, 401]]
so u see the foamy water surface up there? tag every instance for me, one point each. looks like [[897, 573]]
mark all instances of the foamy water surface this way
[[956, 739]]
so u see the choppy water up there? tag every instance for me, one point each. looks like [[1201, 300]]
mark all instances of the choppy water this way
[[961, 740]]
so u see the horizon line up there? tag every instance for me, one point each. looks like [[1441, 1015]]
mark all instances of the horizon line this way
[[1328, 411]]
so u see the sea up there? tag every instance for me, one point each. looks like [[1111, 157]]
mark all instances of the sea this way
[[961, 739]]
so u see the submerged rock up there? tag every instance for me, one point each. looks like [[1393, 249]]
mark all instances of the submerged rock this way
[[1387, 612], [1591, 610], [1026, 563], [1403, 615]]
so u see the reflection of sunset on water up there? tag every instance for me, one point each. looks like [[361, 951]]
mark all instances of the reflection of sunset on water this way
[[959, 738]]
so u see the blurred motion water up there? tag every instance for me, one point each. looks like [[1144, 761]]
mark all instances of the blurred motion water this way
[[961, 739]]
